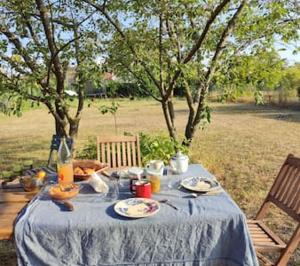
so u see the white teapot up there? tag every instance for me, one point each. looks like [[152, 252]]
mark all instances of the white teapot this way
[[179, 163]]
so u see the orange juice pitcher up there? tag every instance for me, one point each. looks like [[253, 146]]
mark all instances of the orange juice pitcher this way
[[64, 165]]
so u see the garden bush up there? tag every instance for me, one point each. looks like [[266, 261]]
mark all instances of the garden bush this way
[[159, 147]]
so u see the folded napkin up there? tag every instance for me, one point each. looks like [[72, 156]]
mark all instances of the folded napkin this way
[[98, 184]]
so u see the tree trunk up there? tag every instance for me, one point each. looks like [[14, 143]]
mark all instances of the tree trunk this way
[[169, 120], [194, 121], [73, 132], [189, 134], [60, 129]]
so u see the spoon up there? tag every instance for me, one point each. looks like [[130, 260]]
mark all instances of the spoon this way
[[166, 201], [209, 193], [68, 205]]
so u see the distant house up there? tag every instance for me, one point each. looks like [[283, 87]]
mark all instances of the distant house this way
[[109, 76], [91, 90]]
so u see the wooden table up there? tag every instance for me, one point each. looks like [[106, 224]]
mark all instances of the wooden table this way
[[12, 200]]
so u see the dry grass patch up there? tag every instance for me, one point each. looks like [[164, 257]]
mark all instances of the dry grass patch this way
[[244, 146]]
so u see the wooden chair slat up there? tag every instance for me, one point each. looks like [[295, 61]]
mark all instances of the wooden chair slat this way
[[263, 237], [98, 152], [113, 154], [291, 212], [295, 201], [119, 163], [128, 154], [297, 205], [270, 233], [283, 182], [124, 154], [103, 159], [293, 189], [108, 155], [288, 185], [279, 179], [133, 154], [120, 151], [138, 151]]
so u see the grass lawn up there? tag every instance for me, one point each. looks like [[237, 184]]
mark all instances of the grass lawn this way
[[244, 146]]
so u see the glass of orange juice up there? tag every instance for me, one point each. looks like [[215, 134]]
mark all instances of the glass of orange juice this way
[[65, 175], [155, 183]]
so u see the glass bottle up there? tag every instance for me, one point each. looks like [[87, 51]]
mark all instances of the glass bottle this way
[[64, 165], [53, 158]]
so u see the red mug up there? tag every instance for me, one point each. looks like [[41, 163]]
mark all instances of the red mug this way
[[140, 188]]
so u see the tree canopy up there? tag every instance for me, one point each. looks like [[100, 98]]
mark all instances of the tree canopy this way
[[39, 41], [169, 43], [159, 44]]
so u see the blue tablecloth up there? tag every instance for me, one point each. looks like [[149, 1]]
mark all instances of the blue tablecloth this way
[[208, 231]]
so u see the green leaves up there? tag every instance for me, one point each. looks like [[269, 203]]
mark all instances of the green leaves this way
[[259, 97], [159, 147], [262, 70], [112, 109]]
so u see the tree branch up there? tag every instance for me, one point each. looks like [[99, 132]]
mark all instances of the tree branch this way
[[140, 80], [220, 46], [160, 48], [115, 24], [78, 61], [13, 64], [13, 86], [174, 39], [17, 43], [53, 50], [56, 54], [197, 45]]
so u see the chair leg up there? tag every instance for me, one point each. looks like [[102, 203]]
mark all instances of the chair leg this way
[[263, 210], [264, 260], [290, 248]]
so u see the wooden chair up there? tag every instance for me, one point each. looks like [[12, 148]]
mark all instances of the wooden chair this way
[[119, 151], [285, 194]]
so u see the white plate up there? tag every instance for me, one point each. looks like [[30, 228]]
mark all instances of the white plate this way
[[137, 207], [200, 184]]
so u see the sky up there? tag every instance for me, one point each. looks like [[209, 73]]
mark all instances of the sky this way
[[288, 52]]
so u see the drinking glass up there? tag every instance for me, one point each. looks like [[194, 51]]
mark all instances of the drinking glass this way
[[155, 183], [65, 175], [173, 182], [113, 192]]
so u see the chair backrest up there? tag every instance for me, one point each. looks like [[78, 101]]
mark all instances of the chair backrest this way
[[119, 151], [285, 192]]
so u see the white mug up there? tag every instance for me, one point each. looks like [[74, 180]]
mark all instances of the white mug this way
[[155, 164]]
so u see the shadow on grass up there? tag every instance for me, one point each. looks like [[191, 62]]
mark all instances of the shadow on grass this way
[[288, 114], [20, 150]]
